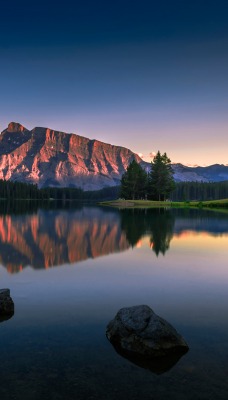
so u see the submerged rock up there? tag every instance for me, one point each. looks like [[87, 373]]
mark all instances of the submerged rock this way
[[146, 339], [6, 304]]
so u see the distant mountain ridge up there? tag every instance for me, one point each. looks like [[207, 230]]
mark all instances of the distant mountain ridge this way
[[52, 158], [211, 173]]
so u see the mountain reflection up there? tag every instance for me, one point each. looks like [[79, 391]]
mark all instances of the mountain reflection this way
[[50, 238]]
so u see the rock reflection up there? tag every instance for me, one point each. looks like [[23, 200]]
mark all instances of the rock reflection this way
[[6, 305], [157, 365], [6, 317]]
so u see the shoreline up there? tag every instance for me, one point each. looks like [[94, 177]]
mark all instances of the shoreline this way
[[166, 204]]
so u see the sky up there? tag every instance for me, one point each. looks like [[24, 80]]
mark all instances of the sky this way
[[146, 75]]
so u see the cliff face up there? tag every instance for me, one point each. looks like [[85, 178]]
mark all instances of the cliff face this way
[[51, 158]]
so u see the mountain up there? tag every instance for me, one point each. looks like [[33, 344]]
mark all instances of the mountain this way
[[51, 158], [212, 173]]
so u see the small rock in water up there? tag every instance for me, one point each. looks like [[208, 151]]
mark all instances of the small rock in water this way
[[143, 337], [6, 303]]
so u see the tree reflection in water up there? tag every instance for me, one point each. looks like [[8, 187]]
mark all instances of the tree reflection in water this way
[[161, 228], [159, 223]]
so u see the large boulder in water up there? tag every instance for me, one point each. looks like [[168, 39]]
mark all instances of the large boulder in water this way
[[138, 331], [6, 304]]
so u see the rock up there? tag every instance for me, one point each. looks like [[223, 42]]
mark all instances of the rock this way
[[6, 303], [16, 127], [4, 293], [137, 331]]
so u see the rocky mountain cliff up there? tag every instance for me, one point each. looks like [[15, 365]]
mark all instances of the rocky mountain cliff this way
[[51, 158]]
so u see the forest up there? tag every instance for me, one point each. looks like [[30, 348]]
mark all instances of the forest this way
[[202, 191], [184, 191], [19, 190]]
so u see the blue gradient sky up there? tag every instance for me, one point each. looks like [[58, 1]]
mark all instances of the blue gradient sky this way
[[147, 75]]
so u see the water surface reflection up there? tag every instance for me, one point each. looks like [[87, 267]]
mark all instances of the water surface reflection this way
[[50, 238], [55, 346]]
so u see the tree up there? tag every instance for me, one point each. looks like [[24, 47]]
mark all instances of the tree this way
[[161, 182], [133, 182]]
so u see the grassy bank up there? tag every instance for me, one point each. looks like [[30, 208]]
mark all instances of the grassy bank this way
[[148, 204]]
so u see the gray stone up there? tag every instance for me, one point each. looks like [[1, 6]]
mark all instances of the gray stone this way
[[4, 293], [139, 331], [6, 303]]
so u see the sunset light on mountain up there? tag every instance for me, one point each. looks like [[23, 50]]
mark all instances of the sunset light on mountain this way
[[149, 76]]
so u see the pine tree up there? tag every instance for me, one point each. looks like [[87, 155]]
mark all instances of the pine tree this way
[[161, 182], [133, 182]]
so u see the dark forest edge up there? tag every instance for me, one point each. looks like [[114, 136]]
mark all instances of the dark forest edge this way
[[24, 191], [188, 193]]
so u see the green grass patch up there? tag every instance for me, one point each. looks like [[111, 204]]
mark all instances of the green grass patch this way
[[149, 204]]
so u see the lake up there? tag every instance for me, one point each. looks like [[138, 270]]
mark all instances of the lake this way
[[71, 270]]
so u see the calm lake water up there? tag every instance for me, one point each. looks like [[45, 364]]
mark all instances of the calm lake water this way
[[70, 271]]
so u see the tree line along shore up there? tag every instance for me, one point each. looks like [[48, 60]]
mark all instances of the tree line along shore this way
[[183, 192]]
